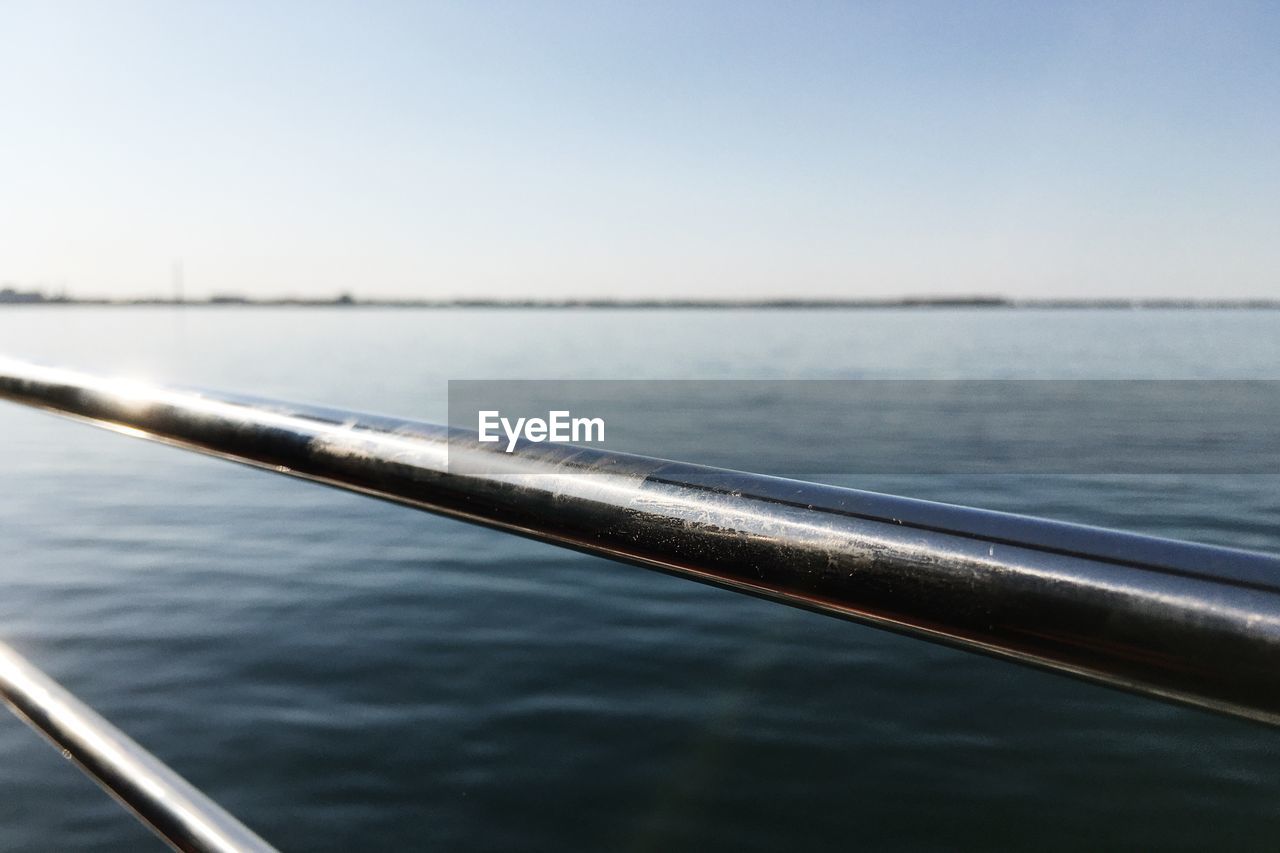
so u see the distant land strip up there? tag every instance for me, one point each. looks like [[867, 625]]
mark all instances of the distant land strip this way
[[11, 296]]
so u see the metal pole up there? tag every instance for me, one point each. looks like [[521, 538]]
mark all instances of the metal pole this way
[[1180, 621], [163, 800]]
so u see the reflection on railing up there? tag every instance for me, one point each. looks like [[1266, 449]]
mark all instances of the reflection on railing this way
[[1190, 623]]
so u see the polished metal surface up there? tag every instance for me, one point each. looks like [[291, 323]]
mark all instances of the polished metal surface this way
[[163, 800], [1185, 622]]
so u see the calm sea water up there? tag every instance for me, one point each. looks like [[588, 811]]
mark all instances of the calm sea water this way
[[344, 674]]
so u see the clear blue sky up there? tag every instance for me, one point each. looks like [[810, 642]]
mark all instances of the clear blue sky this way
[[642, 149]]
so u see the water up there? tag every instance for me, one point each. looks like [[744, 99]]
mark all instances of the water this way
[[345, 674]]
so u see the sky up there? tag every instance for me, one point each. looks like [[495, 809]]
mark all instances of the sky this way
[[641, 150]]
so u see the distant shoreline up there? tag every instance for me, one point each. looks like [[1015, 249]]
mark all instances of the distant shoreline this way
[[18, 299]]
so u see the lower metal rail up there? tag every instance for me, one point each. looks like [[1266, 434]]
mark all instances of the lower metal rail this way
[[182, 816]]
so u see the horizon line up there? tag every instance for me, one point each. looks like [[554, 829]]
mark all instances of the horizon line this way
[[11, 296]]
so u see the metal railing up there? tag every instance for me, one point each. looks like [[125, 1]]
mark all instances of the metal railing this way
[[1191, 623], [163, 800]]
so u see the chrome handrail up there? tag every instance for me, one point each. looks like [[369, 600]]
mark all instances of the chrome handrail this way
[[178, 813], [1191, 623]]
